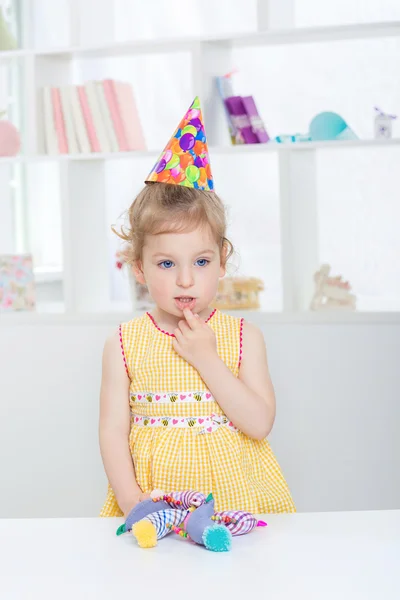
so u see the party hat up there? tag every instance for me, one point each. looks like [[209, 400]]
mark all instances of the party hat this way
[[185, 160]]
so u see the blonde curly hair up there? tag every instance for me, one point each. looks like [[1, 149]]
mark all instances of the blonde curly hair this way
[[165, 208]]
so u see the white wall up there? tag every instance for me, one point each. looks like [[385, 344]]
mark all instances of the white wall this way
[[335, 435]]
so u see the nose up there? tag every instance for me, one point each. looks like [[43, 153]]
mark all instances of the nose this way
[[185, 278]]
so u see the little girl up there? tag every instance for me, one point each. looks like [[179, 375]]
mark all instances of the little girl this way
[[186, 397]]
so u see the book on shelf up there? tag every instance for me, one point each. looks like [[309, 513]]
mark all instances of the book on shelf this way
[[68, 121], [88, 119], [98, 116], [246, 120], [55, 126], [114, 102], [225, 90], [95, 110], [77, 117]]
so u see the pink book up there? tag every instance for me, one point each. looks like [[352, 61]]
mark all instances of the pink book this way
[[59, 121], [87, 115], [130, 116], [116, 116]]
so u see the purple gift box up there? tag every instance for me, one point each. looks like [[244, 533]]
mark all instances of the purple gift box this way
[[246, 119]]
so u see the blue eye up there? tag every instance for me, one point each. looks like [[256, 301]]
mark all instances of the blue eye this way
[[202, 262], [166, 264]]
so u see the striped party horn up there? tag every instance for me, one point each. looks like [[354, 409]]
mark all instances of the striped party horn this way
[[180, 499], [157, 525], [238, 522]]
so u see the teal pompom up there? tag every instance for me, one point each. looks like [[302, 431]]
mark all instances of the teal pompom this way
[[217, 538]]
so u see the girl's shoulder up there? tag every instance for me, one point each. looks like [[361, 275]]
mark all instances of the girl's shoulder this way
[[137, 328], [135, 323], [224, 322]]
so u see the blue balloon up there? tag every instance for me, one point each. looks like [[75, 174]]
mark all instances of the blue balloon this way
[[210, 184], [178, 134]]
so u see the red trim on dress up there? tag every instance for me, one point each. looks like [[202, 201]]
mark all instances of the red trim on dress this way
[[122, 349], [241, 342], [171, 334]]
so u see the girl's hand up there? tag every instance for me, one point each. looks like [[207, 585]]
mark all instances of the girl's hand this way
[[194, 340], [136, 499]]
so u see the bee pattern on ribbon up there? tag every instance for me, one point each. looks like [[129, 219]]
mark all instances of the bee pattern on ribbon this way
[[165, 421], [191, 422], [133, 397], [146, 421], [173, 397], [197, 397], [149, 397]]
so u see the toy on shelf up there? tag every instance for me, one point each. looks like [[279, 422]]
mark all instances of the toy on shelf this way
[[238, 293], [331, 292], [291, 139], [189, 514], [330, 126], [383, 124], [325, 126]]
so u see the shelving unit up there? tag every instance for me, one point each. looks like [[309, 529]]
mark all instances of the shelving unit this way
[[262, 37], [245, 149], [85, 276]]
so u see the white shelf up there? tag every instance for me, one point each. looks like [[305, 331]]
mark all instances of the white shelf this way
[[242, 39], [48, 275], [260, 318], [246, 149], [83, 177]]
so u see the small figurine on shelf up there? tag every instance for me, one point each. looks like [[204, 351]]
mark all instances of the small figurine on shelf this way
[[140, 296], [238, 293], [383, 124], [331, 292]]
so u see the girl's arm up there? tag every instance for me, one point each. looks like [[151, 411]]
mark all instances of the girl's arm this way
[[114, 427], [249, 400]]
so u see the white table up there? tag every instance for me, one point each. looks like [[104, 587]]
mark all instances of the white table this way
[[321, 556]]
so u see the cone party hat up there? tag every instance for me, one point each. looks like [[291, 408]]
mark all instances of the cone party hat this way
[[185, 159]]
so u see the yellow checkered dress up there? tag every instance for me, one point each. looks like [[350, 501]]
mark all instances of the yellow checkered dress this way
[[179, 439]]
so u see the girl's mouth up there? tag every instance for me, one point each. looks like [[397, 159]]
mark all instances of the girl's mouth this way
[[183, 302]]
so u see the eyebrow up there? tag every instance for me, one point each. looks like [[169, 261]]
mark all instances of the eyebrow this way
[[165, 254]]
